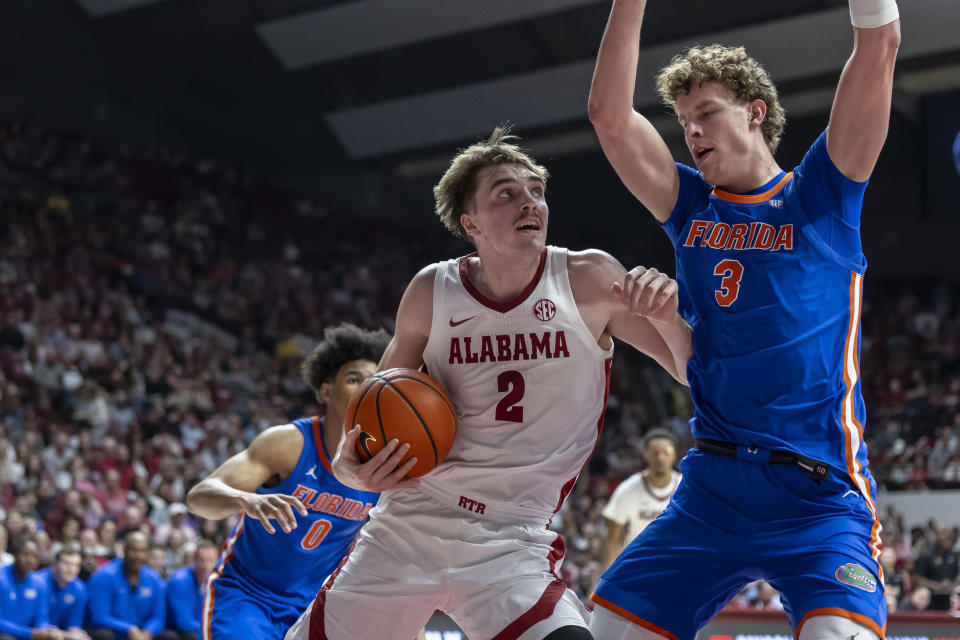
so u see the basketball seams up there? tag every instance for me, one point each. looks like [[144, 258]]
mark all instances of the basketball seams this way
[[383, 432], [406, 399], [439, 392], [396, 389]]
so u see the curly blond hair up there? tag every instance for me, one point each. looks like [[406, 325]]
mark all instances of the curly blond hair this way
[[458, 185], [734, 69]]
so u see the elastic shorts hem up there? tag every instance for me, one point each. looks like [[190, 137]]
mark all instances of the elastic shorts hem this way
[[866, 621], [632, 617]]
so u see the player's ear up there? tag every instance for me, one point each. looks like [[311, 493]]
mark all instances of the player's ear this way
[[325, 392], [758, 112], [469, 224]]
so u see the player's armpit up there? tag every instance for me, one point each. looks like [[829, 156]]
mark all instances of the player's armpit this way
[[413, 323]]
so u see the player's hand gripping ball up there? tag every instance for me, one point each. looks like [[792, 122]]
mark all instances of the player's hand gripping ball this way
[[408, 405]]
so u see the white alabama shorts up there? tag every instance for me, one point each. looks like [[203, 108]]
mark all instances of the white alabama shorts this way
[[414, 556]]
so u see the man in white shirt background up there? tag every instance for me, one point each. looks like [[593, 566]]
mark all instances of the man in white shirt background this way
[[638, 500]]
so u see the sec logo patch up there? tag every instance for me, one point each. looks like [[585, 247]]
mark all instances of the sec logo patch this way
[[544, 309]]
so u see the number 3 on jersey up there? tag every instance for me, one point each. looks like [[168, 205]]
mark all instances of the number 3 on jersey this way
[[730, 271], [507, 409]]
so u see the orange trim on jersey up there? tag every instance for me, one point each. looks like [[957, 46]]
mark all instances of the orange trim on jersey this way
[[227, 554], [842, 613], [635, 619], [754, 199], [318, 442], [852, 428]]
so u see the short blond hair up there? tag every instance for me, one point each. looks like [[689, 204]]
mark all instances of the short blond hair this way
[[732, 68], [459, 184]]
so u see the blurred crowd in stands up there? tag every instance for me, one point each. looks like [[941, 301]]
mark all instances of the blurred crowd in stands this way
[[154, 310]]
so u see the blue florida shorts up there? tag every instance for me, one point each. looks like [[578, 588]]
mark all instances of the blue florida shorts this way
[[234, 610], [731, 522]]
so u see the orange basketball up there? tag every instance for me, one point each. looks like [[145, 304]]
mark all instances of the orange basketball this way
[[408, 405]]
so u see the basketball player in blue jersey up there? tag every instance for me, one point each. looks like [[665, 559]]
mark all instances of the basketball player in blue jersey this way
[[297, 520], [769, 265]]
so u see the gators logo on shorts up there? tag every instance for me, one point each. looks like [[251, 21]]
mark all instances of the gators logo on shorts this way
[[856, 576]]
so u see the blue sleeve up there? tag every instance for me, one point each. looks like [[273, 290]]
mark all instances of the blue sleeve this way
[[693, 195], [181, 602], [7, 625], [831, 200], [79, 608], [101, 597], [158, 621], [42, 618], [14, 629]]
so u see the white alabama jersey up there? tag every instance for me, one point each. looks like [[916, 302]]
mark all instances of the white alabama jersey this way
[[635, 503], [529, 383]]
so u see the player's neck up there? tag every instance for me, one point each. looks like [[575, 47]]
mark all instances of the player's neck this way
[[502, 276], [333, 429], [659, 481], [763, 169]]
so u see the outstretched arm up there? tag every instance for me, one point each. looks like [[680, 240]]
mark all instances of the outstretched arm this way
[[861, 108], [232, 487], [632, 145]]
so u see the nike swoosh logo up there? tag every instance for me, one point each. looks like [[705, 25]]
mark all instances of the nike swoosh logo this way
[[363, 437], [460, 322]]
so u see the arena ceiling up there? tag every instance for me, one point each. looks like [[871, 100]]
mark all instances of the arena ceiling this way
[[303, 85]]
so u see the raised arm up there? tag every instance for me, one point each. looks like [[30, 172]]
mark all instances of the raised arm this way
[[861, 108], [381, 472], [232, 487], [632, 145]]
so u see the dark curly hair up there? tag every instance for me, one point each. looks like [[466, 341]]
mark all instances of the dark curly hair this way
[[734, 69], [341, 344]]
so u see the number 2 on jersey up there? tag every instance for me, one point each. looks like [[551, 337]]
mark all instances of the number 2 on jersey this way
[[507, 409], [731, 271]]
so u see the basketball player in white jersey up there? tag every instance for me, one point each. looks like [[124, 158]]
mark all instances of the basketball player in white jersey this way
[[521, 336], [638, 500]]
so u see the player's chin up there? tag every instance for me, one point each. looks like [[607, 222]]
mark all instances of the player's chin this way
[[536, 239]]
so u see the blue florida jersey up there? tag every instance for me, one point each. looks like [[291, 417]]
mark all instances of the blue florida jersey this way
[[771, 281], [291, 567]]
